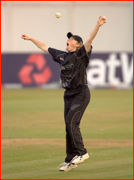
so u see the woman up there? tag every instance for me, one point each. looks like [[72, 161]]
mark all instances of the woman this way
[[73, 65]]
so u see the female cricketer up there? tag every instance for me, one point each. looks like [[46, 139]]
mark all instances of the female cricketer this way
[[73, 64]]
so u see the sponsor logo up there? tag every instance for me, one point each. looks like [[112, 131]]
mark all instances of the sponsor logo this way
[[27, 75], [116, 70], [61, 59]]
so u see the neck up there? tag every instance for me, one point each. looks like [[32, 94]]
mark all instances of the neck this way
[[72, 50]]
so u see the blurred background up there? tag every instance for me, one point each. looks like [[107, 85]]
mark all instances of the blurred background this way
[[24, 65], [32, 109]]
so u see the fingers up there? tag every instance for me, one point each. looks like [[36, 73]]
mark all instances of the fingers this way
[[24, 36], [102, 17], [101, 20]]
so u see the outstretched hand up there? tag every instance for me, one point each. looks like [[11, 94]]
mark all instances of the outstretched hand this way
[[25, 37], [101, 20]]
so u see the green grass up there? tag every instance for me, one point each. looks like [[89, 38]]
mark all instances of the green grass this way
[[33, 135]]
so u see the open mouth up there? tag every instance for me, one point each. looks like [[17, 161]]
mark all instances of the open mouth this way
[[67, 44]]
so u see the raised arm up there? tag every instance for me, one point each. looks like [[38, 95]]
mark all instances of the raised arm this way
[[39, 44], [100, 22]]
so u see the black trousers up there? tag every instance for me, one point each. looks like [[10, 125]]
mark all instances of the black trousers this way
[[76, 102]]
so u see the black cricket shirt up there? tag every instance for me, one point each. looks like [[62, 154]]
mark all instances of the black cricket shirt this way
[[73, 66]]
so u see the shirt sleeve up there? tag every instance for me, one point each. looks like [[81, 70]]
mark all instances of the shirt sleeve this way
[[83, 55], [82, 52], [55, 54]]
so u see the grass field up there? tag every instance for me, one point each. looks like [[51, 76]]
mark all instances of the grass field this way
[[33, 135]]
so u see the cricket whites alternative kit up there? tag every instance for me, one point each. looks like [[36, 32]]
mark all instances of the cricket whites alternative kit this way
[[76, 96]]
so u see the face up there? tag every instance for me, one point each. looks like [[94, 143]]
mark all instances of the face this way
[[72, 44]]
